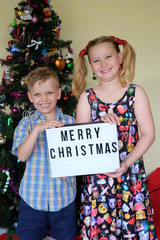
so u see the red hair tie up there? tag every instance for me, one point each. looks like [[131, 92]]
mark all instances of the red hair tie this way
[[83, 51], [118, 40]]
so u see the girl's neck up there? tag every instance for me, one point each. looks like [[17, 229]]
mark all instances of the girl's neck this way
[[112, 85], [110, 93]]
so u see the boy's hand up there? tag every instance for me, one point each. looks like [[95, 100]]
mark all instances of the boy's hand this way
[[40, 127]]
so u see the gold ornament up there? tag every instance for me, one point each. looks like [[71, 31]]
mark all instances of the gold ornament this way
[[19, 13], [32, 62], [60, 63], [2, 140]]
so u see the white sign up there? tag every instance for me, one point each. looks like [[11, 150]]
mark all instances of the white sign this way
[[83, 149]]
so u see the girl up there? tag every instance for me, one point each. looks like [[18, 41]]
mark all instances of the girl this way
[[116, 205]]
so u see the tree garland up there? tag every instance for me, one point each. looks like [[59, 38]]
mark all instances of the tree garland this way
[[9, 181]]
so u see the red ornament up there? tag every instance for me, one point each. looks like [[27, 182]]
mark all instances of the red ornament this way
[[9, 57], [71, 94], [65, 98], [47, 14]]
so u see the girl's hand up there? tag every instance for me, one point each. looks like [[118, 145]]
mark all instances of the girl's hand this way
[[119, 171], [111, 118]]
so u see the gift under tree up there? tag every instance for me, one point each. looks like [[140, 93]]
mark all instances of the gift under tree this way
[[35, 41]]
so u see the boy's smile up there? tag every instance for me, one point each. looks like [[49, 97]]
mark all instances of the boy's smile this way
[[44, 96]]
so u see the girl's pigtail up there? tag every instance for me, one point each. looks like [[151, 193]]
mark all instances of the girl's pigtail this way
[[79, 79], [128, 68]]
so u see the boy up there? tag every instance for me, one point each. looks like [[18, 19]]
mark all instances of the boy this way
[[46, 202]]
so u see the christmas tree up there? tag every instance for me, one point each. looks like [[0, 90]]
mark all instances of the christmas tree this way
[[35, 41]]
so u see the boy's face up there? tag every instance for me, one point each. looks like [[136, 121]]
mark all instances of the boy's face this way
[[44, 96]]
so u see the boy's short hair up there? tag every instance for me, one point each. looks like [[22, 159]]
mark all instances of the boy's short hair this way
[[41, 74]]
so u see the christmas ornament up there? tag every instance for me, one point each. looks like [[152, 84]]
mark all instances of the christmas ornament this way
[[14, 189], [74, 114], [2, 98], [15, 110], [69, 62], [32, 62], [47, 14], [13, 23], [71, 94], [34, 19], [66, 98], [56, 31], [10, 43], [46, 19], [27, 55], [2, 139], [7, 79], [22, 106], [9, 121], [58, 27], [28, 9], [44, 51], [19, 13], [60, 63], [26, 15], [22, 35], [70, 50], [14, 33], [7, 181], [17, 38], [17, 95], [32, 5], [9, 57], [34, 43], [14, 49], [54, 50], [3, 74], [24, 82]]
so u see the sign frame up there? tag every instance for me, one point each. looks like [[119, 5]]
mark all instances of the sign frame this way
[[83, 149]]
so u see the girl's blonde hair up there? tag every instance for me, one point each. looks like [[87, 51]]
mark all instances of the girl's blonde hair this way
[[128, 65]]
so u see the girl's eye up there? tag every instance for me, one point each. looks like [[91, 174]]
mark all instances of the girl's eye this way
[[109, 56], [50, 93], [95, 61]]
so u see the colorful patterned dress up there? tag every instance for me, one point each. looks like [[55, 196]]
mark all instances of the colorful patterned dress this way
[[117, 208]]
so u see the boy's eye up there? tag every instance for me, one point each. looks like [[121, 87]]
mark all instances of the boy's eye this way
[[36, 94], [50, 92], [109, 56]]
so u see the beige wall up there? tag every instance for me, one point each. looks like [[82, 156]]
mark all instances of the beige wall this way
[[137, 21]]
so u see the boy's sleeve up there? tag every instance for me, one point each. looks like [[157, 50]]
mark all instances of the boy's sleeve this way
[[21, 133], [73, 120]]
